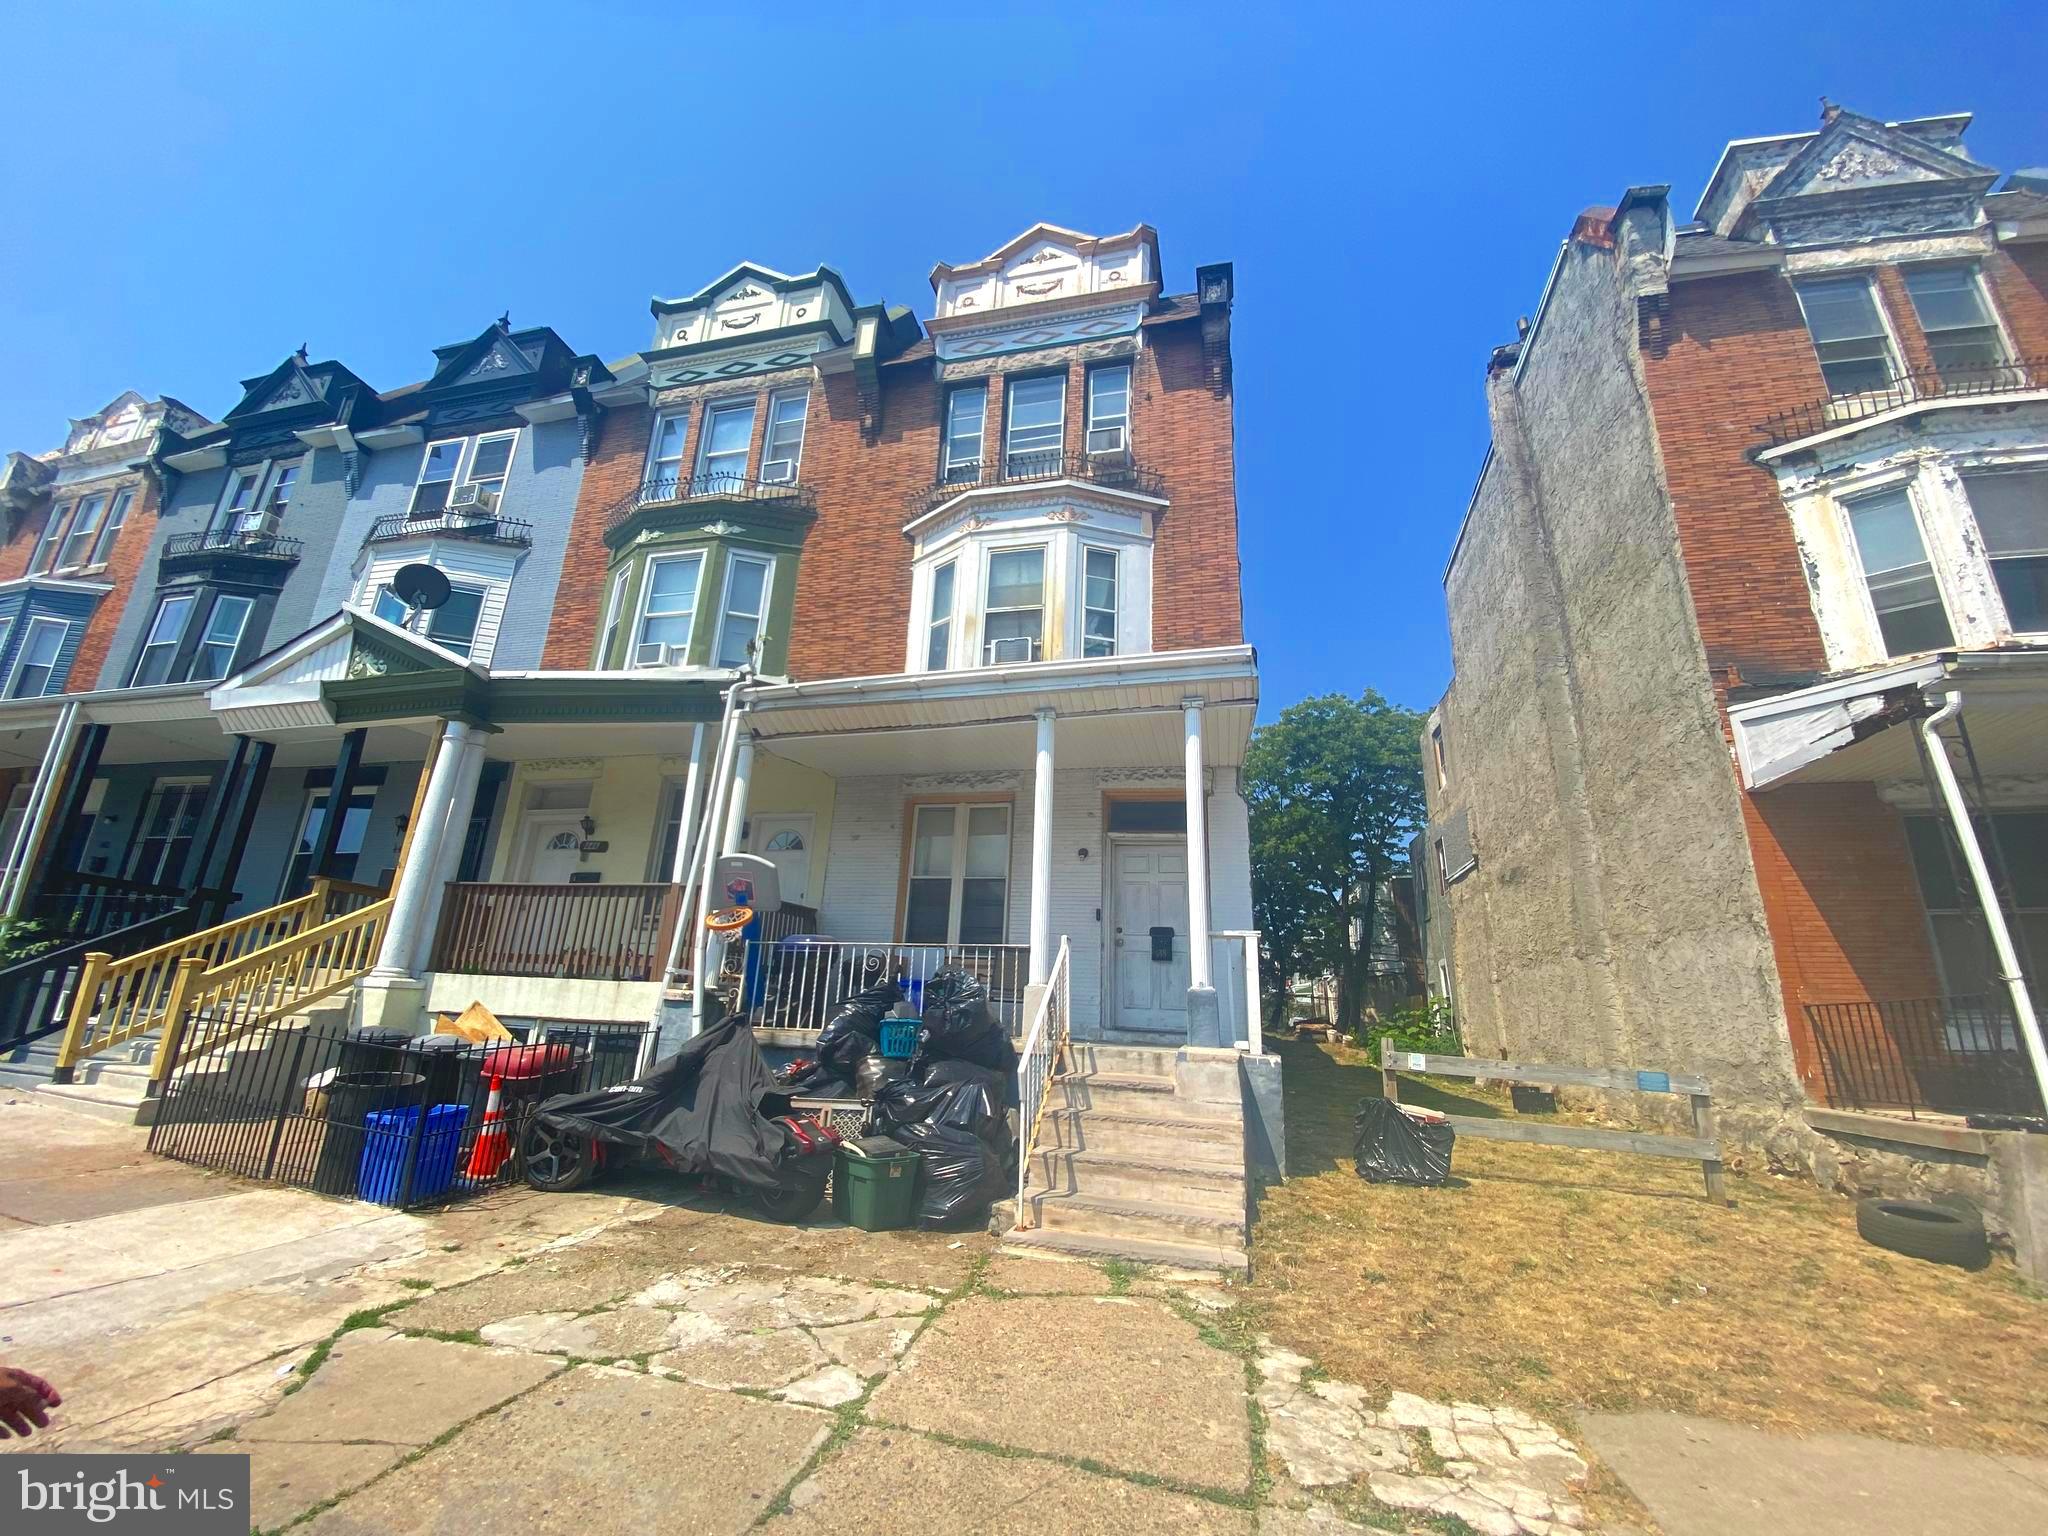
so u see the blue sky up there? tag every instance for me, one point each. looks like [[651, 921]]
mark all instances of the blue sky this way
[[193, 190]]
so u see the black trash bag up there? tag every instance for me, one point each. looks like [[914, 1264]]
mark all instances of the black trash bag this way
[[963, 1174], [842, 1047], [958, 1024], [866, 1009], [1393, 1147], [972, 1101]]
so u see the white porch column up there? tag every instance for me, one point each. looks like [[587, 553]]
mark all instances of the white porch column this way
[[742, 780], [42, 804], [1041, 853], [412, 897], [693, 791], [1198, 848], [454, 833]]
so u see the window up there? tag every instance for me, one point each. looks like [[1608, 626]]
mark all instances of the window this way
[[348, 848], [238, 506], [85, 524], [1436, 746], [665, 455], [722, 458], [1098, 602], [170, 818], [614, 614], [437, 478], [40, 648], [478, 461], [391, 608], [2015, 845], [668, 610], [746, 600], [46, 550], [489, 463], [784, 450], [938, 647], [1109, 409], [1013, 628], [452, 626], [959, 875], [1162, 816], [111, 529], [661, 858], [1035, 425], [2012, 517], [223, 633], [966, 408], [160, 645], [1961, 334], [1443, 866], [1898, 573], [1848, 334]]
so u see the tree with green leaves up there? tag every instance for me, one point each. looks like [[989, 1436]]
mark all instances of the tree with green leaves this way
[[1335, 788]]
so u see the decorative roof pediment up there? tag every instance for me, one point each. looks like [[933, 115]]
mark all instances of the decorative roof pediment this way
[[304, 390], [752, 301], [1046, 264], [498, 356]]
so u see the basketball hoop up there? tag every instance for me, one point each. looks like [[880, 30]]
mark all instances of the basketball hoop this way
[[727, 921]]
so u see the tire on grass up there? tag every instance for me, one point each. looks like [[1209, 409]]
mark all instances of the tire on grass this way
[[1949, 1233]]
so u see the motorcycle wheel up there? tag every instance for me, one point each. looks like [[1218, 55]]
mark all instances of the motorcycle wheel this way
[[557, 1161], [801, 1191]]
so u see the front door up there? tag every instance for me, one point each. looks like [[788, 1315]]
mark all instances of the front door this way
[[1151, 892], [785, 842], [170, 820], [553, 849]]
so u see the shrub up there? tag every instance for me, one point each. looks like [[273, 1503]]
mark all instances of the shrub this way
[[1429, 1026]]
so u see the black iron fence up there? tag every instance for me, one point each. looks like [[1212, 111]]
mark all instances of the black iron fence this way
[[482, 527], [257, 542], [1115, 470], [1954, 381], [376, 1115], [1951, 1055], [706, 485], [83, 905]]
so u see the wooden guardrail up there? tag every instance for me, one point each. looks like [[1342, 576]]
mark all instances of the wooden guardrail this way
[[1702, 1146]]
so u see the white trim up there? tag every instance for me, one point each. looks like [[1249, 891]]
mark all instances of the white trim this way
[[957, 878], [1045, 575], [63, 626], [777, 397], [733, 557], [1040, 489], [703, 559], [56, 584], [728, 405], [614, 614], [1116, 609], [650, 470]]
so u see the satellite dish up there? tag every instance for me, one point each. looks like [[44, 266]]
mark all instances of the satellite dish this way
[[420, 586]]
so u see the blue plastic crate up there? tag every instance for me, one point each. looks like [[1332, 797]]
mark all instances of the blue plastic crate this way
[[388, 1133], [899, 1038]]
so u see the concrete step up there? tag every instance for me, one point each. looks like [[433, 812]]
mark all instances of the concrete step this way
[[1141, 1250], [1122, 1060], [1117, 1094], [1173, 1137], [1144, 1179], [1099, 1216], [106, 1101]]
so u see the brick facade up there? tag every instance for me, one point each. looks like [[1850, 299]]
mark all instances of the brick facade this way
[[94, 666]]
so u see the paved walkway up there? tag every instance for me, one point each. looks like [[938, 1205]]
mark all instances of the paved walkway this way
[[623, 1361]]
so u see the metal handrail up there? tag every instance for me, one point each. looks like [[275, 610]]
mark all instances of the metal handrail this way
[[1045, 1046], [1951, 1055], [1914, 386], [670, 490], [232, 541], [484, 528], [1116, 471], [795, 982]]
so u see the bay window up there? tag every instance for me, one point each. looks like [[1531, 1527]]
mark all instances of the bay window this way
[[782, 454], [2011, 507], [614, 615], [160, 644], [747, 580], [668, 610], [1848, 334], [938, 651], [722, 456], [1034, 425], [215, 654], [37, 661], [1961, 335], [452, 626], [1013, 626], [959, 880], [1098, 602], [1899, 576], [1109, 408], [966, 410]]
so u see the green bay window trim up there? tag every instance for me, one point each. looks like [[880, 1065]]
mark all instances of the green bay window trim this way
[[966, 411], [1013, 606], [1034, 424], [614, 616], [1849, 335], [1098, 601], [959, 881], [1962, 335], [2011, 508], [1904, 593], [455, 466], [1109, 408], [938, 651], [668, 610], [749, 579], [36, 662]]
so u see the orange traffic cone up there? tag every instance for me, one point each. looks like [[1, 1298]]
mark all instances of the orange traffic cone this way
[[493, 1146]]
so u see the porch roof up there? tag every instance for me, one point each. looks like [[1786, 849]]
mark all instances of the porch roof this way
[[1121, 711], [1860, 728]]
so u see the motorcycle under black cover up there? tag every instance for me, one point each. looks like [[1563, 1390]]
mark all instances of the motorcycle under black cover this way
[[702, 1107]]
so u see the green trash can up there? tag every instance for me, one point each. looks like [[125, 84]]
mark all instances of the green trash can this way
[[875, 1187]]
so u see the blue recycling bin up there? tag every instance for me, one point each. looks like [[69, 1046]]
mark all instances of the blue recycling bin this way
[[389, 1135]]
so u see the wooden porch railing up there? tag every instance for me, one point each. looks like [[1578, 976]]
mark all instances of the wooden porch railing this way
[[118, 1000], [212, 1006], [580, 932]]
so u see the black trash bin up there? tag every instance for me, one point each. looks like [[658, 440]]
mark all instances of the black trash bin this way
[[351, 1098], [440, 1060], [372, 1050]]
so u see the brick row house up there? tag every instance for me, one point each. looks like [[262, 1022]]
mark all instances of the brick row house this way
[[1744, 768], [941, 620]]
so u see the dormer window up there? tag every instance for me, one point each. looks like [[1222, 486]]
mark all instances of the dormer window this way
[[237, 508], [1961, 334], [1109, 408], [966, 409], [782, 454], [1848, 334], [722, 458], [1014, 626], [1034, 425]]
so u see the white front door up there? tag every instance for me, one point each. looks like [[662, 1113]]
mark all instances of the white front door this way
[[1151, 892], [552, 850], [785, 842]]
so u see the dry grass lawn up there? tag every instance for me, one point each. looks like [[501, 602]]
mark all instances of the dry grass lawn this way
[[1560, 1280]]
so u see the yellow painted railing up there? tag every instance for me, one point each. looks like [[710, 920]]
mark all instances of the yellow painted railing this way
[[122, 999], [211, 1006]]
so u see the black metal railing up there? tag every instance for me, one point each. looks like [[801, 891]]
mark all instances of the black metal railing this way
[[1955, 381], [36, 992], [1951, 1055], [483, 527], [255, 542], [1114, 470], [668, 490], [80, 906]]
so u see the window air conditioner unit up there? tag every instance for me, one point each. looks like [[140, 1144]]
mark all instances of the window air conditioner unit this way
[[1106, 440], [657, 654], [1017, 648], [471, 503], [779, 472]]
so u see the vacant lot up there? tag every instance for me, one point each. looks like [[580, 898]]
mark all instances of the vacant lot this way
[[1562, 1280]]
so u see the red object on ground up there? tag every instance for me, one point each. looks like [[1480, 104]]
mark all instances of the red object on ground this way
[[521, 1063], [493, 1145]]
